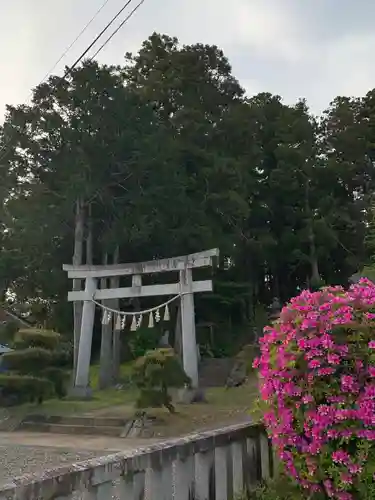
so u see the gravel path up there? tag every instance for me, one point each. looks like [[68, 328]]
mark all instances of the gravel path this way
[[16, 459]]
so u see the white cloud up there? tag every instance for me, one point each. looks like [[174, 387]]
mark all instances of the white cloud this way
[[344, 67], [273, 45], [268, 27], [17, 56], [42, 34], [252, 87]]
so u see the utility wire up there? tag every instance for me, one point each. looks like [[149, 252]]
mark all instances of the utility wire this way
[[70, 69], [71, 45], [118, 28], [60, 59], [75, 40], [109, 24]]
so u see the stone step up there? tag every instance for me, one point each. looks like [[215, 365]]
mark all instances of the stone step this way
[[76, 420], [91, 430]]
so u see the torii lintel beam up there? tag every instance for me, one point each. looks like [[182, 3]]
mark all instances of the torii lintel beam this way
[[191, 261]]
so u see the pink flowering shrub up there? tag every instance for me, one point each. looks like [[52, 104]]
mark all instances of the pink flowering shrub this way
[[317, 380]]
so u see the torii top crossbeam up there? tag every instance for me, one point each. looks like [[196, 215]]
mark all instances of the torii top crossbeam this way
[[191, 261]]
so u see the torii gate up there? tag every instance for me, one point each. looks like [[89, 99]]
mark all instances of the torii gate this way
[[185, 287]]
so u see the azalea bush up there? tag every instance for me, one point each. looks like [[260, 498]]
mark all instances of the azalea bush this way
[[317, 380]]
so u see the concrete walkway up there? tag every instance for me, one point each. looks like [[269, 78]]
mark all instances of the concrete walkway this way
[[22, 452], [72, 441]]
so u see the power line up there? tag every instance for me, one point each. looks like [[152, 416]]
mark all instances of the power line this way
[[118, 28], [75, 40], [70, 46], [109, 24], [70, 69]]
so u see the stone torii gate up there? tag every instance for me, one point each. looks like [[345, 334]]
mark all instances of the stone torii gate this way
[[185, 287]]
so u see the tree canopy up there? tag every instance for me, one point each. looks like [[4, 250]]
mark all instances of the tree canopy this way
[[166, 155]]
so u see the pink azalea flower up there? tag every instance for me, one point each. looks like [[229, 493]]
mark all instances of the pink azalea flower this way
[[317, 381]]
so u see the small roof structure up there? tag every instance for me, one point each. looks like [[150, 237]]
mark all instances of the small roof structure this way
[[6, 315]]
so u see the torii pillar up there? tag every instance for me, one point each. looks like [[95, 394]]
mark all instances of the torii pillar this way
[[188, 334]]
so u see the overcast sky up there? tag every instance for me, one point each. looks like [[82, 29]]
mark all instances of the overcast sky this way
[[295, 48]]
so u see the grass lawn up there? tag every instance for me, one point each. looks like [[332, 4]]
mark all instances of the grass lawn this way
[[67, 406], [125, 373], [223, 407]]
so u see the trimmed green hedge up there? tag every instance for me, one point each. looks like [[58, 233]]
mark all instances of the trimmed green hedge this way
[[39, 355], [28, 361], [58, 377], [24, 388], [35, 337]]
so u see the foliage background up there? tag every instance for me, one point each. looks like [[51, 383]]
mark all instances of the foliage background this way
[[167, 155]]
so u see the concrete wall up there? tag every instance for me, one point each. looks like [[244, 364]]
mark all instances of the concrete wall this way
[[211, 465]]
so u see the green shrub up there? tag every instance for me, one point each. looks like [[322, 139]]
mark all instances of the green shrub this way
[[35, 337], [25, 388], [28, 361], [39, 355], [247, 355], [66, 348], [156, 372], [281, 488], [144, 339], [151, 398], [58, 378], [62, 359]]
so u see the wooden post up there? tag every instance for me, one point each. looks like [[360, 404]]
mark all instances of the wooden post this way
[[115, 339], [115, 334], [81, 387], [189, 344], [105, 366], [77, 261], [178, 334]]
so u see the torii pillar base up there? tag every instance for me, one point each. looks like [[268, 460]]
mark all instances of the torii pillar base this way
[[78, 392]]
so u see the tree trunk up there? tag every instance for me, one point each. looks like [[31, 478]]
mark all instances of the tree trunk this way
[[315, 275], [105, 368], [116, 345], [173, 311], [178, 333], [89, 238], [77, 283]]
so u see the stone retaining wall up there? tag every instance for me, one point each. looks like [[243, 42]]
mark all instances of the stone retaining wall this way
[[210, 465]]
